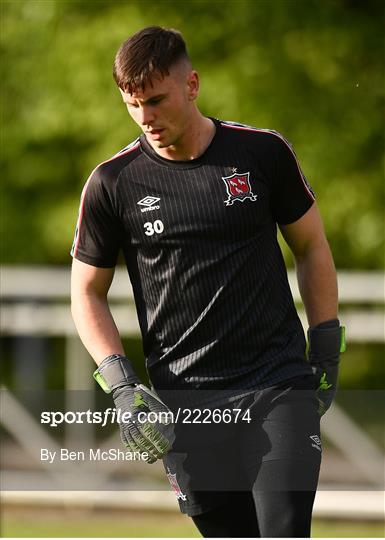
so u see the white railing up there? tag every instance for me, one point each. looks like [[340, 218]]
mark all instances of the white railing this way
[[35, 302]]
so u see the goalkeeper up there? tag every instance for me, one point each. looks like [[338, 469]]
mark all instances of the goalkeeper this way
[[194, 204]]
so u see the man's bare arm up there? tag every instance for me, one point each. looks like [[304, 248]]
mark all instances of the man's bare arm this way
[[116, 375], [316, 274], [90, 311]]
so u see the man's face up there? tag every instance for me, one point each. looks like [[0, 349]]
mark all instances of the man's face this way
[[163, 109]]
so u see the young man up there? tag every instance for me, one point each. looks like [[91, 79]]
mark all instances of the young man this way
[[194, 204]]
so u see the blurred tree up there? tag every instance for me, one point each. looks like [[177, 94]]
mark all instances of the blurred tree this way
[[312, 70]]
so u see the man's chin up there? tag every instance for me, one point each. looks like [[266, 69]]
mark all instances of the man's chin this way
[[160, 144], [157, 143]]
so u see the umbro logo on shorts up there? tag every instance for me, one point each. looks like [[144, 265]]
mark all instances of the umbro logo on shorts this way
[[175, 486], [316, 442], [149, 203]]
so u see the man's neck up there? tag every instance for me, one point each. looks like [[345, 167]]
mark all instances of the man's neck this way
[[198, 135]]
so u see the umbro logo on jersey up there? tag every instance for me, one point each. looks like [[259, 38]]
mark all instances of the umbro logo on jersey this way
[[149, 203], [316, 442], [238, 188]]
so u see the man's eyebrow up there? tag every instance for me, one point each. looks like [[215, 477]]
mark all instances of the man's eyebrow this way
[[152, 98]]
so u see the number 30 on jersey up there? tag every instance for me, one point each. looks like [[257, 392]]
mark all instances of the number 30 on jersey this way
[[151, 228]]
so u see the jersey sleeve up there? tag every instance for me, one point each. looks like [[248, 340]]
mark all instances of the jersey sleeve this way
[[97, 235], [292, 195]]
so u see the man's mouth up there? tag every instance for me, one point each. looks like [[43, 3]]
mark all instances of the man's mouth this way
[[154, 131]]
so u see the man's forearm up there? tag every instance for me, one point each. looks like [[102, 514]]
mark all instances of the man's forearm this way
[[96, 326], [116, 375], [317, 282]]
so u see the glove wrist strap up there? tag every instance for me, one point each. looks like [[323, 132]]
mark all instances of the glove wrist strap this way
[[325, 343], [116, 370]]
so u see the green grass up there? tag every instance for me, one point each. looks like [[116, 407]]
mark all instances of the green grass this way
[[60, 523], [347, 529], [54, 524]]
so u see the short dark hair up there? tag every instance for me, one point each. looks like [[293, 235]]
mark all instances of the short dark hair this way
[[151, 51]]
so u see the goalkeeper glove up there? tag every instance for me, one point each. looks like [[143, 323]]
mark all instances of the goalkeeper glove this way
[[134, 400], [326, 341]]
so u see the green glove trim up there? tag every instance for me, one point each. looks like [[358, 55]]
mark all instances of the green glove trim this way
[[139, 401], [343, 339], [99, 379], [323, 384]]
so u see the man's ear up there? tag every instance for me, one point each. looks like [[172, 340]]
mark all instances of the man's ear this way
[[193, 85]]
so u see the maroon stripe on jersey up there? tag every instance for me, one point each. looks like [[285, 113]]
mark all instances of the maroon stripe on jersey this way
[[84, 191], [249, 128]]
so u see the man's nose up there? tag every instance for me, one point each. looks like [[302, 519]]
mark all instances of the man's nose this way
[[146, 116]]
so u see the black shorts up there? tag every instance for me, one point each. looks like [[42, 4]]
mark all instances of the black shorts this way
[[208, 461]]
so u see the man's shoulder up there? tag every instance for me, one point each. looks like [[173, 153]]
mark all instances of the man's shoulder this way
[[109, 170], [247, 132]]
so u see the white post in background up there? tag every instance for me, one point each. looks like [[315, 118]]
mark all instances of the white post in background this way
[[80, 392]]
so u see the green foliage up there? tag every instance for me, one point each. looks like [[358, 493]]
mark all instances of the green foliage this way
[[312, 70]]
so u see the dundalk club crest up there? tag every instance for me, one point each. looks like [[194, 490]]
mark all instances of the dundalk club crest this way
[[175, 486], [238, 188]]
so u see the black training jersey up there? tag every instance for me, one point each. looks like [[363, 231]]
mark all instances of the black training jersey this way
[[199, 239]]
